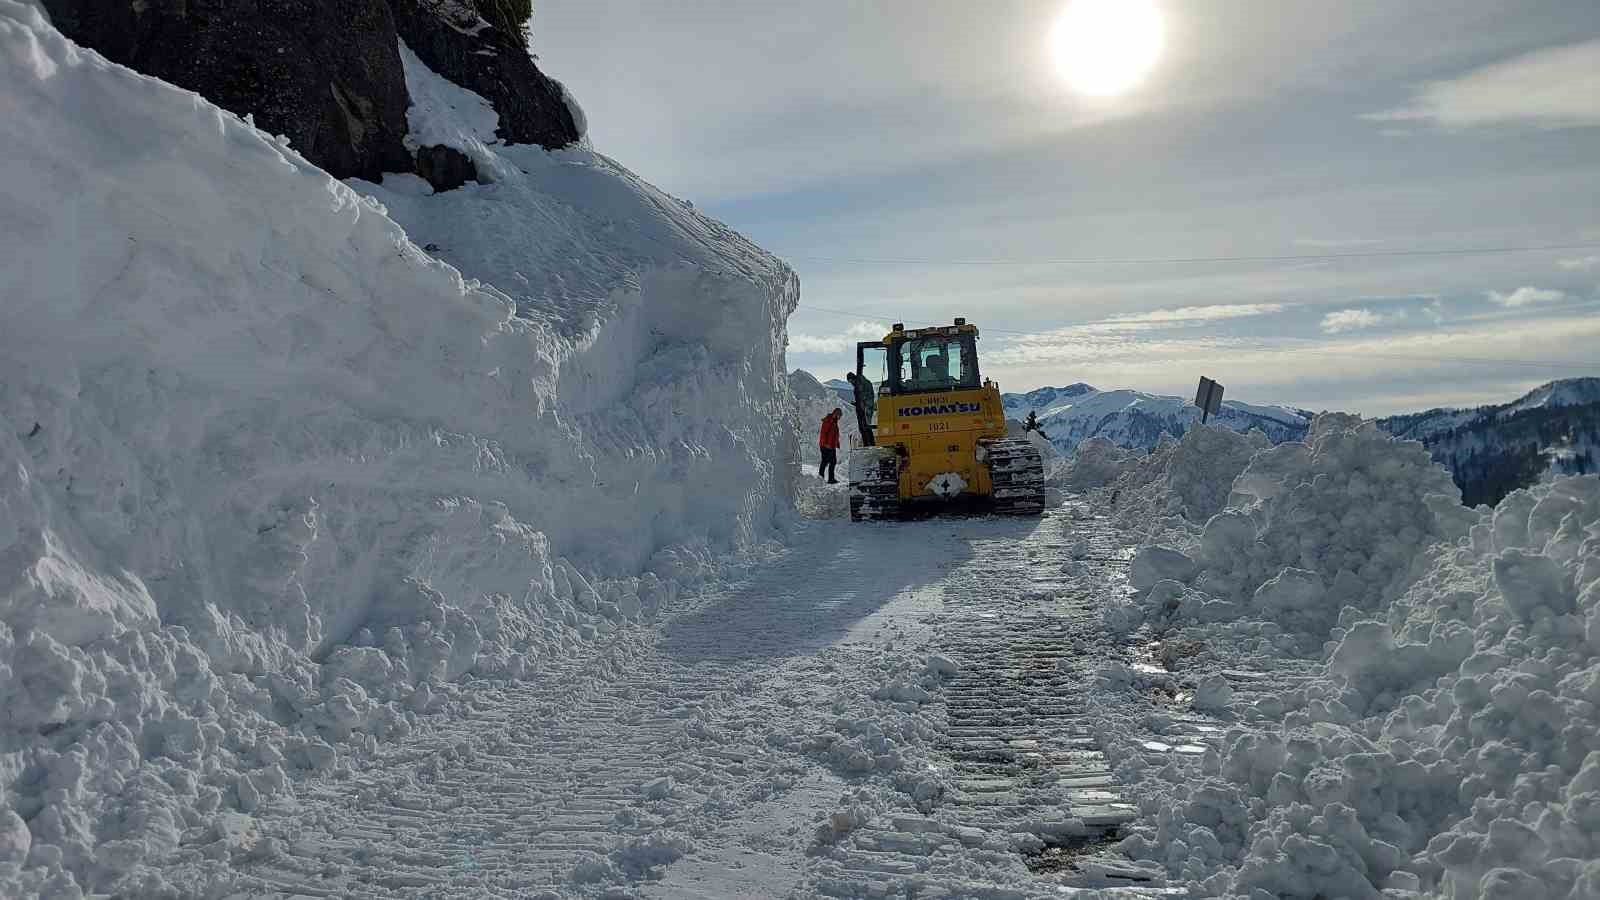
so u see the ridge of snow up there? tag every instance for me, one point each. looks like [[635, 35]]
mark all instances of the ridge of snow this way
[[272, 476]]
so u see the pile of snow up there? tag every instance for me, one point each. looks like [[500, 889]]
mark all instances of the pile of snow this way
[[1094, 464], [271, 474], [1448, 745], [1309, 528], [1448, 742], [1188, 479], [1170, 492], [1055, 463]]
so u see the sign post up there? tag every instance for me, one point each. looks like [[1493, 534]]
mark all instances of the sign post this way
[[1208, 398]]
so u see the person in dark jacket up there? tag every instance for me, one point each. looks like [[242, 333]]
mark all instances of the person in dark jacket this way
[[866, 405], [828, 442]]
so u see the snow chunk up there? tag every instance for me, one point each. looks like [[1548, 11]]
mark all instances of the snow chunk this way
[[1532, 582], [1095, 463], [659, 788], [1154, 564], [579, 119], [15, 839], [1213, 693]]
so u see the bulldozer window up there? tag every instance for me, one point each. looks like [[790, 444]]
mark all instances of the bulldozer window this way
[[938, 363], [872, 363]]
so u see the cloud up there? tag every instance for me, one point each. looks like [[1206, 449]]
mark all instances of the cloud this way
[[1375, 373], [1435, 311], [1199, 313], [837, 343], [1557, 87], [1068, 342], [1087, 346], [1582, 264], [1343, 320], [1525, 296]]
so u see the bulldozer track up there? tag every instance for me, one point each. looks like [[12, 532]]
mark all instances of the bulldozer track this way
[[1016, 471]]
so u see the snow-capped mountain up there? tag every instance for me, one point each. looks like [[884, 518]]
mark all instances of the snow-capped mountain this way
[[837, 385], [1566, 392], [1424, 425], [1137, 420], [1495, 449], [1128, 418], [1044, 400]]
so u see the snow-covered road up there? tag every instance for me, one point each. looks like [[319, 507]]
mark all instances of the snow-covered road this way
[[879, 710]]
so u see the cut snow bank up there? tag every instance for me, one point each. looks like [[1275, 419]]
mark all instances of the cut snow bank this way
[[270, 473], [1448, 744]]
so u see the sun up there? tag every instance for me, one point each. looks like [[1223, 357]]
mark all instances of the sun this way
[[1106, 47]]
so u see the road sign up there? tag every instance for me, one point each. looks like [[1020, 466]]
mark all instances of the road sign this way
[[1208, 398]]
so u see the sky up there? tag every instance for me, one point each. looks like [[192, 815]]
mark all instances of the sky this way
[[1262, 207]]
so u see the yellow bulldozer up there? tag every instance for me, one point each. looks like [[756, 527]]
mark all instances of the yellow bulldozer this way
[[940, 430]]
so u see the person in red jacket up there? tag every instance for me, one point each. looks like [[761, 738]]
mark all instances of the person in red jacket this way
[[828, 441]]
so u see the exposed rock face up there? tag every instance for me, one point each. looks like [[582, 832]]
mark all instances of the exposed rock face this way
[[446, 168], [327, 73], [324, 72], [451, 37]]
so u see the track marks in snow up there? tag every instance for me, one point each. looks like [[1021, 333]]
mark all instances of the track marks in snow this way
[[667, 741], [1022, 620], [699, 756]]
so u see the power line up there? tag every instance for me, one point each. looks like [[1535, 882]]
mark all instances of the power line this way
[[858, 313], [1163, 260]]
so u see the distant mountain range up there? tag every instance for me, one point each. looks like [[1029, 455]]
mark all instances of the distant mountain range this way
[[1077, 412], [1490, 450], [1493, 450], [1073, 414]]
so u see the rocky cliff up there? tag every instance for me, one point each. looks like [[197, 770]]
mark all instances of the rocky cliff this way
[[327, 73]]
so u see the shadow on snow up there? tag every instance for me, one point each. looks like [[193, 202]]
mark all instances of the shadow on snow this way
[[835, 576]]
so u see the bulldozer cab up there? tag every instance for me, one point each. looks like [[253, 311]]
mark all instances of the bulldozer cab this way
[[934, 364], [914, 363]]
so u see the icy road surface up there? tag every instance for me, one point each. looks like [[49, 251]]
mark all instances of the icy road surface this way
[[883, 710]]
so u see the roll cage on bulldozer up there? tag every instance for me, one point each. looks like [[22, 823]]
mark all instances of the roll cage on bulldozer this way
[[941, 430]]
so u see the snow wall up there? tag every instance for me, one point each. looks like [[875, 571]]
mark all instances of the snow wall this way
[[270, 472], [1442, 738]]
